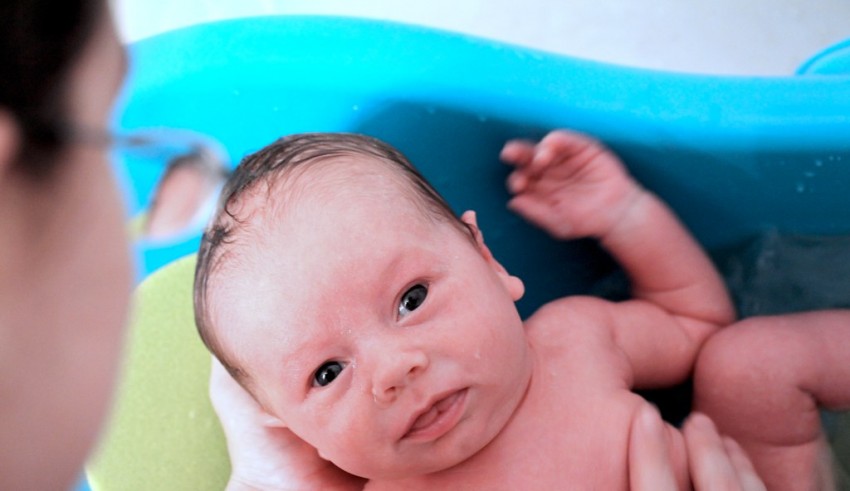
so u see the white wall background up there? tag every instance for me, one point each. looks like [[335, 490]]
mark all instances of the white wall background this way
[[750, 37]]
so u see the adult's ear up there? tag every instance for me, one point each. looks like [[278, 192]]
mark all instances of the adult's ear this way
[[512, 284], [10, 141]]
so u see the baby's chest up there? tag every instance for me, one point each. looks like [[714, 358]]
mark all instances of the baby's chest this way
[[578, 445]]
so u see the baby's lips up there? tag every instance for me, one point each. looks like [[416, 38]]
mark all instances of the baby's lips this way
[[438, 417], [425, 419]]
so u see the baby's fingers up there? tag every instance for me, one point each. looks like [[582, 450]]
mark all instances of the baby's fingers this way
[[519, 153], [560, 155], [518, 181], [567, 142], [556, 148], [541, 214], [563, 146]]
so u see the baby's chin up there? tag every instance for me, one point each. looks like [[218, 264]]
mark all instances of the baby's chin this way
[[382, 472], [413, 463], [388, 469]]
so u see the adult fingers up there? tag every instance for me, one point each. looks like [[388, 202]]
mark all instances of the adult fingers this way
[[650, 466], [717, 463]]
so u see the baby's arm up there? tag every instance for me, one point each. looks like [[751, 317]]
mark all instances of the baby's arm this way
[[763, 380], [573, 187]]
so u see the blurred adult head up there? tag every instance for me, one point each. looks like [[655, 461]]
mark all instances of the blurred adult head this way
[[64, 263]]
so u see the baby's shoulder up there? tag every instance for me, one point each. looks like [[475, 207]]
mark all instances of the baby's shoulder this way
[[571, 321], [575, 312]]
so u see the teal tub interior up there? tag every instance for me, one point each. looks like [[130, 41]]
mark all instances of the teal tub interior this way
[[738, 158], [734, 156]]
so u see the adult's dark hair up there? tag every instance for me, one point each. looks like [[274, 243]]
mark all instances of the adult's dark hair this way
[[273, 164], [39, 42]]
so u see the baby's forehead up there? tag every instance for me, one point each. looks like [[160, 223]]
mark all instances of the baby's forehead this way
[[345, 175], [368, 175], [350, 180], [337, 223], [341, 191], [337, 188]]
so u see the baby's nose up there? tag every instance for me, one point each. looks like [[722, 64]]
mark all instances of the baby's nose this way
[[395, 371]]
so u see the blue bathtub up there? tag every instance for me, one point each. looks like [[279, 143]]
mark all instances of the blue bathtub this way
[[732, 155], [736, 157]]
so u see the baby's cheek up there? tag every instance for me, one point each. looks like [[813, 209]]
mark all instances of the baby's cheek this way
[[352, 447], [347, 456], [325, 432]]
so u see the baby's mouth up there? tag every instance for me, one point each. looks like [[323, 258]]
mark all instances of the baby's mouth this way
[[439, 418]]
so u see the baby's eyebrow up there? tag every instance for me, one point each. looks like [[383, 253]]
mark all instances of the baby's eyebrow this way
[[297, 359], [293, 368]]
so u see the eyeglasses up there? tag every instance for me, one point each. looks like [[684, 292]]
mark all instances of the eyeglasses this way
[[177, 176], [180, 172]]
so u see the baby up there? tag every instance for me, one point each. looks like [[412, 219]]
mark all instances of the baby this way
[[340, 290]]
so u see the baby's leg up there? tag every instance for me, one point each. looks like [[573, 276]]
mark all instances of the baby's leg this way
[[763, 381]]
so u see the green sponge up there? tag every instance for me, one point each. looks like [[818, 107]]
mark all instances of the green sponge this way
[[163, 433]]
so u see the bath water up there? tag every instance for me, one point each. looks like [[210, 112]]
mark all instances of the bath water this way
[[776, 273]]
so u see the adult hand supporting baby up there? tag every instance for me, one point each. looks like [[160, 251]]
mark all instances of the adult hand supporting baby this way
[[716, 463], [263, 454]]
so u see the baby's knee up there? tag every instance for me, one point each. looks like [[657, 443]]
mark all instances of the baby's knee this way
[[720, 361], [754, 379], [735, 361], [731, 346]]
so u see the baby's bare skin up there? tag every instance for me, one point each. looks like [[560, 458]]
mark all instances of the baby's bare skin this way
[[580, 389], [764, 381], [561, 409]]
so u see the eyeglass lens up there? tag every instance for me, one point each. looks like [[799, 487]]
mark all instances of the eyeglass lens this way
[[179, 187], [184, 199]]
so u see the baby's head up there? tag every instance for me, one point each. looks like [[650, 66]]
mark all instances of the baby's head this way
[[343, 293]]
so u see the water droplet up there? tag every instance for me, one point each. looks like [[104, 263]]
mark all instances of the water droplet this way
[[801, 187], [355, 107]]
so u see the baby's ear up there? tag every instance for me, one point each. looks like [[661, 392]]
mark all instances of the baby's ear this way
[[9, 141], [513, 284]]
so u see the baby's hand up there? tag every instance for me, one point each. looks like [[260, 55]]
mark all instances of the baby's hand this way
[[569, 185]]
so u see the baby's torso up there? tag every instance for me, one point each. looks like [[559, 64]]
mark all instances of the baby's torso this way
[[572, 429]]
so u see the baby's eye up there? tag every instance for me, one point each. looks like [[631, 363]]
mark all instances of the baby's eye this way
[[327, 373], [412, 299]]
